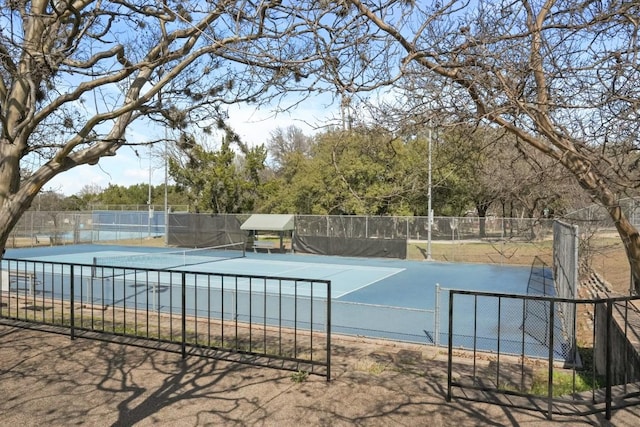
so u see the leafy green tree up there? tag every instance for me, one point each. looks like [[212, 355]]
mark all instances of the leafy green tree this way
[[290, 151], [218, 180], [175, 196], [471, 150], [285, 144], [134, 195], [137, 194], [361, 171]]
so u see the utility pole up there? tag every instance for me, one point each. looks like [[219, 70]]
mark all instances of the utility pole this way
[[430, 211], [166, 190], [149, 199]]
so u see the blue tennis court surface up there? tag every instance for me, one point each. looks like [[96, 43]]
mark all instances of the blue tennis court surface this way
[[345, 277], [409, 284], [394, 299]]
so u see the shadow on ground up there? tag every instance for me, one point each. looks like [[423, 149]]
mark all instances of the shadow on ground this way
[[48, 379]]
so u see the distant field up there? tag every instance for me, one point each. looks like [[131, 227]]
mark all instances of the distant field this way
[[505, 252]]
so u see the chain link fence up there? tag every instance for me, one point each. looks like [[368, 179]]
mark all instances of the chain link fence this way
[[38, 228], [417, 227], [133, 222]]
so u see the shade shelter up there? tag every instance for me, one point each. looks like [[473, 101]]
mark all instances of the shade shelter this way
[[273, 223]]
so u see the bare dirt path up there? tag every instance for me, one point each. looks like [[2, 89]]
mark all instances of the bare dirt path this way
[[47, 379]]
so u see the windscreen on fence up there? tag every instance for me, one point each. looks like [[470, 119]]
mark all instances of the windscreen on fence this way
[[359, 236], [342, 246], [203, 230]]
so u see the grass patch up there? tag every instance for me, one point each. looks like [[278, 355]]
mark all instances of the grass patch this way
[[299, 376], [563, 380], [563, 383], [484, 252]]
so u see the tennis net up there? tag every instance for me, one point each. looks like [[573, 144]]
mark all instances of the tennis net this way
[[173, 259]]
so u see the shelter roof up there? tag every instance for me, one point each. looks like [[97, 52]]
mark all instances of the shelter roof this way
[[269, 222]]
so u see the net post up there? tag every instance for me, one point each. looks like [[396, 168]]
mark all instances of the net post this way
[[93, 267]]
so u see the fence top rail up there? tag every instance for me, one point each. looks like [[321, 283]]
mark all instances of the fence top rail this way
[[173, 270], [543, 297]]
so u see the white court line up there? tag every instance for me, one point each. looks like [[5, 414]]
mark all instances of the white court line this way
[[369, 284], [337, 268], [356, 268], [289, 271], [333, 270], [324, 277]]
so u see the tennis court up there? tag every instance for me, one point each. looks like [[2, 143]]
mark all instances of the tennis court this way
[[393, 299]]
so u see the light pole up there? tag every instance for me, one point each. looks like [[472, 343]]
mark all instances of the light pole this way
[[149, 199], [166, 190], [429, 213]]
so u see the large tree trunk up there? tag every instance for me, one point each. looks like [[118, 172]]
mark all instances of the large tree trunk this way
[[482, 208], [591, 180], [11, 210], [12, 201]]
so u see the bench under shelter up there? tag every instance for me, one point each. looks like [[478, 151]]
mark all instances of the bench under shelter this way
[[279, 224]]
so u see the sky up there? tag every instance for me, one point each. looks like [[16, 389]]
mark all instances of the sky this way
[[125, 168]]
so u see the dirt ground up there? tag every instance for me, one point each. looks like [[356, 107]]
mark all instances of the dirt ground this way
[[49, 379], [609, 260]]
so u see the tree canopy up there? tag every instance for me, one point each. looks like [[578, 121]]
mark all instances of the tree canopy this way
[[219, 180]]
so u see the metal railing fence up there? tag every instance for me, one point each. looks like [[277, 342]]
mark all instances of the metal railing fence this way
[[249, 319], [602, 371]]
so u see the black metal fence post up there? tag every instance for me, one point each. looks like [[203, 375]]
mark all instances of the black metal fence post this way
[[72, 327], [552, 309], [450, 344], [328, 321], [184, 314], [608, 379]]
